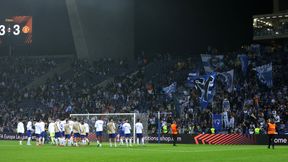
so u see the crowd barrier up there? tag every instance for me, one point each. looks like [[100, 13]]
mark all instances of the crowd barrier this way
[[220, 139]]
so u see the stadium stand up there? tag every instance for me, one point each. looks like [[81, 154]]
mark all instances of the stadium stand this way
[[140, 89]]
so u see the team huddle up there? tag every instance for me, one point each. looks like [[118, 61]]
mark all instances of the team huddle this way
[[75, 133]]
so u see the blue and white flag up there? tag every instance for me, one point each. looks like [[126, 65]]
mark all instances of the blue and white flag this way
[[212, 63], [227, 79], [217, 122], [170, 89], [191, 78], [264, 74], [206, 86], [244, 63]]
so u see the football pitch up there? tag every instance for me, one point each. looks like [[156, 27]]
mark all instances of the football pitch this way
[[11, 151]]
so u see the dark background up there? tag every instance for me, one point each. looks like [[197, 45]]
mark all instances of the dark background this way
[[190, 26], [176, 26]]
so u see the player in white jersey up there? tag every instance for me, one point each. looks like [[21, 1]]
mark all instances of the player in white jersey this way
[[67, 132], [99, 129], [76, 132], [139, 132], [43, 133], [20, 131], [83, 133], [29, 132], [51, 130], [127, 132], [62, 138], [111, 130], [70, 123], [58, 135], [87, 129], [37, 132]]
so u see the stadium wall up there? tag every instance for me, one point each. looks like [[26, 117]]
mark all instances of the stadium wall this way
[[218, 139]]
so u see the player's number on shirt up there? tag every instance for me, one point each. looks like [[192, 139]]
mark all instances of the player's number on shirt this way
[[2, 30], [16, 29]]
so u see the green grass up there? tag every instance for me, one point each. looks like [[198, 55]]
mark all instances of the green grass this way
[[10, 151]]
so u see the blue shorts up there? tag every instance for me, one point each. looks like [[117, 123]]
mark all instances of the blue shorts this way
[[83, 136], [121, 133], [63, 134], [67, 136], [29, 133], [127, 135], [99, 133], [20, 134], [139, 135], [43, 134], [76, 135], [38, 135], [112, 135], [58, 135], [87, 135]]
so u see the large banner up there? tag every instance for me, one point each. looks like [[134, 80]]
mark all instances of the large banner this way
[[212, 63], [170, 89], [227, 79], [206, 87], [244, 63], [264, 74], [213, 139]]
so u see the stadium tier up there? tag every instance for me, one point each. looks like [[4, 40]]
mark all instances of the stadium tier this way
[[248, 89]]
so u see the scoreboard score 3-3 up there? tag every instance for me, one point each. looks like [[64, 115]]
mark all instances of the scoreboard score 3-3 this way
[[16, 30]]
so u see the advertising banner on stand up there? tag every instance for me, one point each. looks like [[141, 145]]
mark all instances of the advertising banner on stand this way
[[212, 139]]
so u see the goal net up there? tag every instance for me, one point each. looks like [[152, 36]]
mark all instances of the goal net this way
[[118, 118]]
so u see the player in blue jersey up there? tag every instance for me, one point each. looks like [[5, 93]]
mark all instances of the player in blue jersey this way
[[121, 134]]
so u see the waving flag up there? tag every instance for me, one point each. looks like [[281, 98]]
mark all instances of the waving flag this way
[[244, 63], [217, 122], [227, 79], [264, 74], [191, 78], [211, 63], [170, 89], [206, 86]]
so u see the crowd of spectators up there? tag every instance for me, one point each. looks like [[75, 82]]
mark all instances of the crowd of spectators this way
[[15, 74], [140, 89], [60, 95], [249, 105]]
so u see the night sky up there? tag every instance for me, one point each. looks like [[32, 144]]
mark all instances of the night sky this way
[[181, 26]]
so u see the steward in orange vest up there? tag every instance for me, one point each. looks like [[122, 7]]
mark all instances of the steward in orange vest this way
[[174, 132], [271, 131]]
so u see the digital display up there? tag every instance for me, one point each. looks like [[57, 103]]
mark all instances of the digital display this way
[[16, 30]]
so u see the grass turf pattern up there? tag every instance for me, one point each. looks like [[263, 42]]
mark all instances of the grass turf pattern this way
[[11, 151]]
